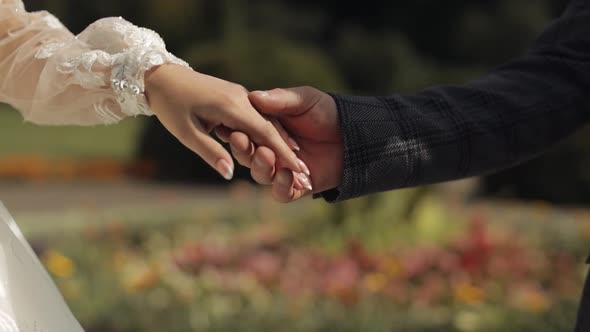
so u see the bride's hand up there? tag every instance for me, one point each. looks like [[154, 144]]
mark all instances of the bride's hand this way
[[190, 105]]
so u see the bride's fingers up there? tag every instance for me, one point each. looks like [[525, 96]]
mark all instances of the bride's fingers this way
[[242, 148], [195, 138], [284, 134], [263, 169]]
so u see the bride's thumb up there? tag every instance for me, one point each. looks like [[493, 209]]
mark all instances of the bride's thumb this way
[[293, 101]]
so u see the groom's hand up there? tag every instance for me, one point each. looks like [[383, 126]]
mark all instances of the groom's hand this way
[[308, 116]]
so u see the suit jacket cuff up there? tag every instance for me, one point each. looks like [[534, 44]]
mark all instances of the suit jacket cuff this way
[[355, 115]]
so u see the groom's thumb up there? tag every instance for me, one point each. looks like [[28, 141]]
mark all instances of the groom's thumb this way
[[293, 101]]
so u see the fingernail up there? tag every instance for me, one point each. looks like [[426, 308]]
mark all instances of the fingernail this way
[[305, 181], [297, 184], [304, 167], [224, 168], [294, 144], [262, 94]]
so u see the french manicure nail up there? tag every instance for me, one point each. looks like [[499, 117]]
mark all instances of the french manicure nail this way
[[294, 144], [224, 168], [304, 167], [297, 184], [305, 181]]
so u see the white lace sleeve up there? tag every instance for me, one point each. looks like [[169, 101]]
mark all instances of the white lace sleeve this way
[[54, 77]]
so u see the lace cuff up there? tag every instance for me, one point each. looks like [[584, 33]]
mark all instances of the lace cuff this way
[[128, 73], [115, 45]]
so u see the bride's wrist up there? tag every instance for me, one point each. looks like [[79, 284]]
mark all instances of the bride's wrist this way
[[156, 79]]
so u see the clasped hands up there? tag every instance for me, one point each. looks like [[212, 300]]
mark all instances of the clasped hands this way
[[289, 138]]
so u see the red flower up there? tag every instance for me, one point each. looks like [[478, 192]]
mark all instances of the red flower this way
[[475, 250], [342, 279]]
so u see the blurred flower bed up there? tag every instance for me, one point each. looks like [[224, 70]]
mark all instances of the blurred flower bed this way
[[444, 270], [36, 168]]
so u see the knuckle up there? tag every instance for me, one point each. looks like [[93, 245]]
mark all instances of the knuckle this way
[[226, 101], [232, 98], [239, 89]]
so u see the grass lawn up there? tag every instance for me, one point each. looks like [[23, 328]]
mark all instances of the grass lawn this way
[[113, 142]]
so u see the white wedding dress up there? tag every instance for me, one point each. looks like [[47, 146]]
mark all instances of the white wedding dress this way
[[53, 77], [29, 300]]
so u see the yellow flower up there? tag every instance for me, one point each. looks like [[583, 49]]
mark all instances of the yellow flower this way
[[469, 294], [376, 282], [58, 264], [143, 280]]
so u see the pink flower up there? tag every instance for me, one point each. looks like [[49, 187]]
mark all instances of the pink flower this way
[[265, 267]]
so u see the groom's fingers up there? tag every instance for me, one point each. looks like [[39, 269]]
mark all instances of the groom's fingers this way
[[263, 169], [242, 148], [293, 101], [282, 189], [286, 188], [223, 133]]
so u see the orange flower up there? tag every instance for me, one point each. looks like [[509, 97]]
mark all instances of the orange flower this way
[[391, 266], [376, 282], [469, 294], [537, 302], [58, 264], [533, 300], [144, 280]]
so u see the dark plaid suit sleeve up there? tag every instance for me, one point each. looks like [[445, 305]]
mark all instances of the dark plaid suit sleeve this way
[[450, 132]]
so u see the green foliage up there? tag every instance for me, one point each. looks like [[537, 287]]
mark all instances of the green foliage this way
[[112, 142]]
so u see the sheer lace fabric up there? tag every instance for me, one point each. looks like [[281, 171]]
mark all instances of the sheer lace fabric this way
[[53, 77]]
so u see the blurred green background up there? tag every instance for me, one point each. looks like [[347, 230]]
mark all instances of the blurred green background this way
[[141, 236]]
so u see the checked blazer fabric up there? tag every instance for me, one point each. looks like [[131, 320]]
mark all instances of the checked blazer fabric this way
[[444, 133], [510, 115]]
